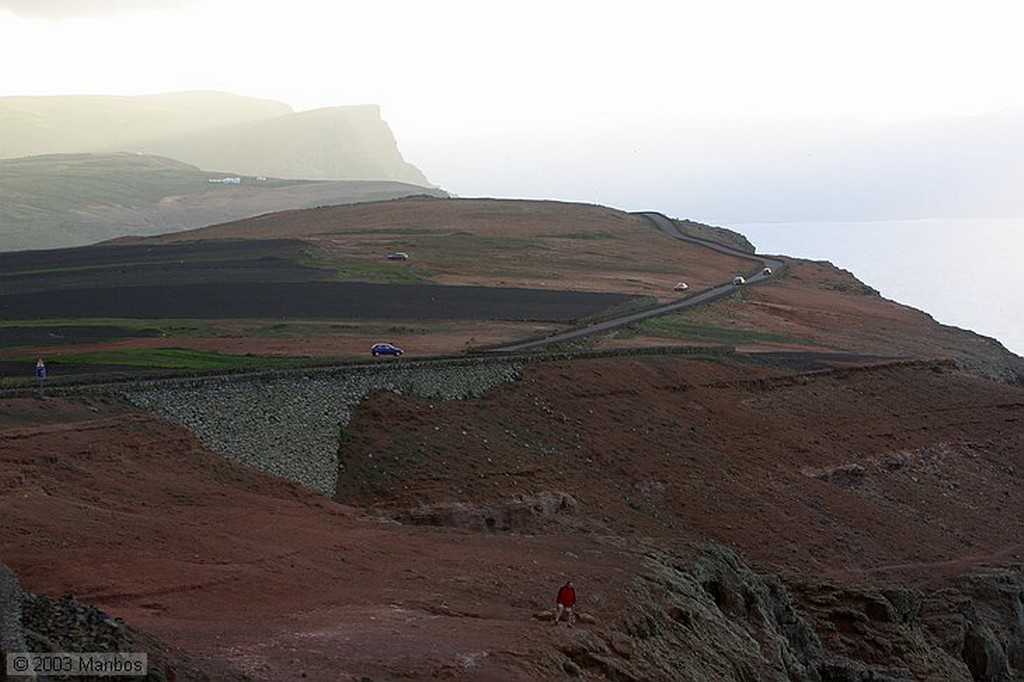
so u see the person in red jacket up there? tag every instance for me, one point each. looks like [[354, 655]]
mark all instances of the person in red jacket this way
[[565, 602]]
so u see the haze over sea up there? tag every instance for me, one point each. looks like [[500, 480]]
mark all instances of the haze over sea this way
[[965, 273]]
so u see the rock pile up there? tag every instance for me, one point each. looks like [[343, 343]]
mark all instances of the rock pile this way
[[521, 514], [66, 624], [11, 639]]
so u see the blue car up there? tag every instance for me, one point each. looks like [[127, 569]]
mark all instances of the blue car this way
[[385, 349]]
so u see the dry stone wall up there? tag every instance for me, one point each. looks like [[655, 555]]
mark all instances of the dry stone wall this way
[[289, 424]]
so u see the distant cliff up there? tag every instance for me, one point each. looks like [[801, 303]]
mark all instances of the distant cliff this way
[[214, 131], [62, 200]]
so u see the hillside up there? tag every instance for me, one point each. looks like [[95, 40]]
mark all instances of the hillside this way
[[800, 480], [212, 130], [483, 251], [721, 521], [63, 200]]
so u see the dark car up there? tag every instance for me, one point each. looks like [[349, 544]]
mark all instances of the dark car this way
[[385, 349], [398, 255]]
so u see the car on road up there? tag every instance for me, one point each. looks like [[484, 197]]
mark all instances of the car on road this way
[[766, 272], [738, 281], [681, 286], [398, 255], [385, 349]]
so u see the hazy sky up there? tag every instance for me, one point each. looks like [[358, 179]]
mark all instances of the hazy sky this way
[[569, 99], [559, 79], [451, 67]]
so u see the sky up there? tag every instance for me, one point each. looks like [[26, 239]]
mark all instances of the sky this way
[[453, 67], [566, 98], [724, 111]]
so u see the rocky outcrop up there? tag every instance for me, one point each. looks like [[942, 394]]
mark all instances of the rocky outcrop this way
[[989, 359], [524, 513], [971, 630], [66, 624], [716, 619], [42, 624], [11, 638]]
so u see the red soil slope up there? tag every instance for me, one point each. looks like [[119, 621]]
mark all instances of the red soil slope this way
[[898, 473], [454, 523]]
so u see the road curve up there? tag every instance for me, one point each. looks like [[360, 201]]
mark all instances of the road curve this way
[[755, 275], [668, 227]]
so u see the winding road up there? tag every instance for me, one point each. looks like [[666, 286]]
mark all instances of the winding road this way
[[692, 298], [668, 227]]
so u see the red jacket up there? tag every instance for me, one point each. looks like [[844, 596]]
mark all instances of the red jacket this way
[[566, 596]]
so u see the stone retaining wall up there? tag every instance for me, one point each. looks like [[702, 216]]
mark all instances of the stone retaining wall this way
[[290, 424]]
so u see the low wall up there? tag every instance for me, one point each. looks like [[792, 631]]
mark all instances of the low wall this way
[[290, 424]]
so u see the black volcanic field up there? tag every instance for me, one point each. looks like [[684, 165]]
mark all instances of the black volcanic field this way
[[241, 280]]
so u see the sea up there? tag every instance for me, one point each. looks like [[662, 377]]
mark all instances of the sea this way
[[962, 272]]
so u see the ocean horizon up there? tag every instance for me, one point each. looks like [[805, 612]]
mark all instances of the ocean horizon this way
[[962, 272]]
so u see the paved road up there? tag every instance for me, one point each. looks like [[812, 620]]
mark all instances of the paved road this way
[[756, 274]]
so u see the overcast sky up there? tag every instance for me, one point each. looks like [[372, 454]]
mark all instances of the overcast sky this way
[[452, 67], [697, 107]]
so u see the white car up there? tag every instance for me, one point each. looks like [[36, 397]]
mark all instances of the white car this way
[[738, 281], [680, 286], [766, 272]]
